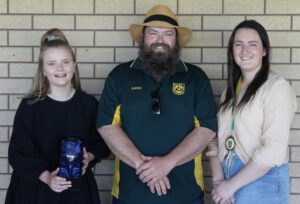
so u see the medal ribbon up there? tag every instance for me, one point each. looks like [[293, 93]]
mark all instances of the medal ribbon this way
[[237, 95], [234, 107]]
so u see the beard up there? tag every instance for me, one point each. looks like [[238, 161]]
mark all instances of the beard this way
[[159, 63]]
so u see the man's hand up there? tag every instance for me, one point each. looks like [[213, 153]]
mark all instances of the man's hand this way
[[161, 186], [154, 169]]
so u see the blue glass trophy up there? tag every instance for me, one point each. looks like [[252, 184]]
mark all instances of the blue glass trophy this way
[[71, 157]]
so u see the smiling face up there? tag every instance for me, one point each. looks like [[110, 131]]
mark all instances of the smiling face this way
[[58, 66], [158, 39], [159, 51], [248, 51]]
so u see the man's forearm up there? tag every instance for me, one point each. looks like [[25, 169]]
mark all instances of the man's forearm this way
[[119, 143], [192, 145]]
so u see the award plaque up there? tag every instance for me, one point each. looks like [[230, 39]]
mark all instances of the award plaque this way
[[71, 157]]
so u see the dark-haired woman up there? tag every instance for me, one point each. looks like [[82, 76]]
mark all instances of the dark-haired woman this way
[[250, 164], [54, 107]]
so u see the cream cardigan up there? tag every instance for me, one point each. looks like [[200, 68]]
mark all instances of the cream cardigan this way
[[262, 126]]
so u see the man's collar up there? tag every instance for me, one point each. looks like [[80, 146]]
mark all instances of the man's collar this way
[[138, 64]]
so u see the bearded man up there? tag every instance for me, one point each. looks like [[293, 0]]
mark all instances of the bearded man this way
[[157, 114]]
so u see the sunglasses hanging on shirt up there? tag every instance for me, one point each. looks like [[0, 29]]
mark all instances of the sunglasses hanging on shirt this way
[[155, 102]]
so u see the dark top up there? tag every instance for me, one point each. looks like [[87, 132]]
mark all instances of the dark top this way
[[35, 147], [186, 101]]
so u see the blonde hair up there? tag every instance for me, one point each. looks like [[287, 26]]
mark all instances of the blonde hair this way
[[41, 87]]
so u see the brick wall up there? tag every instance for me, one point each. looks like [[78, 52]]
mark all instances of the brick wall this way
[[97, 29]]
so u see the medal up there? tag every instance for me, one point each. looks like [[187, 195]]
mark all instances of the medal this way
[[230, 143]]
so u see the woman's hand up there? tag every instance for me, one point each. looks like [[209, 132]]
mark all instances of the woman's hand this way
[[218, 199], [223, 192], [87, 157]]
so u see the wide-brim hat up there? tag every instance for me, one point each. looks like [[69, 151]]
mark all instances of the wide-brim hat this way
[[161, 16]]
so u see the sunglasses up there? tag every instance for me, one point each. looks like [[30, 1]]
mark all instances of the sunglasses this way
[[155, 100]]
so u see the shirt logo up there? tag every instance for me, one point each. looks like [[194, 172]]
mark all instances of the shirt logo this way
[[136, 88], [178, 88]]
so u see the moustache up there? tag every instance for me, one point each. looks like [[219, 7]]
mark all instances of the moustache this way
[[165, 46]]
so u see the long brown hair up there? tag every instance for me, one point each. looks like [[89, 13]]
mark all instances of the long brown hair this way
[[41, 87], [234, 71]]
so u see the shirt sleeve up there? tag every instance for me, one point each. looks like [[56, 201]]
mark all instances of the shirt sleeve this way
[[109, 105], [22, 152], [205, 105], [95, 143], [279, 108]]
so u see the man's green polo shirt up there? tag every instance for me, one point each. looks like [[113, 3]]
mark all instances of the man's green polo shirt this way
[[186, 102]]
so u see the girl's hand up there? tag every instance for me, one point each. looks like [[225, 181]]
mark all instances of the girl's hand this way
[[87, 157], [57, 183]]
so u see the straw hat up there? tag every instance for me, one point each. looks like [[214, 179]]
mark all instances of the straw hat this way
[[160, 16]]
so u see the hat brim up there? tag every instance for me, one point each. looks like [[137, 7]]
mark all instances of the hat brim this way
[[184, 33]]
